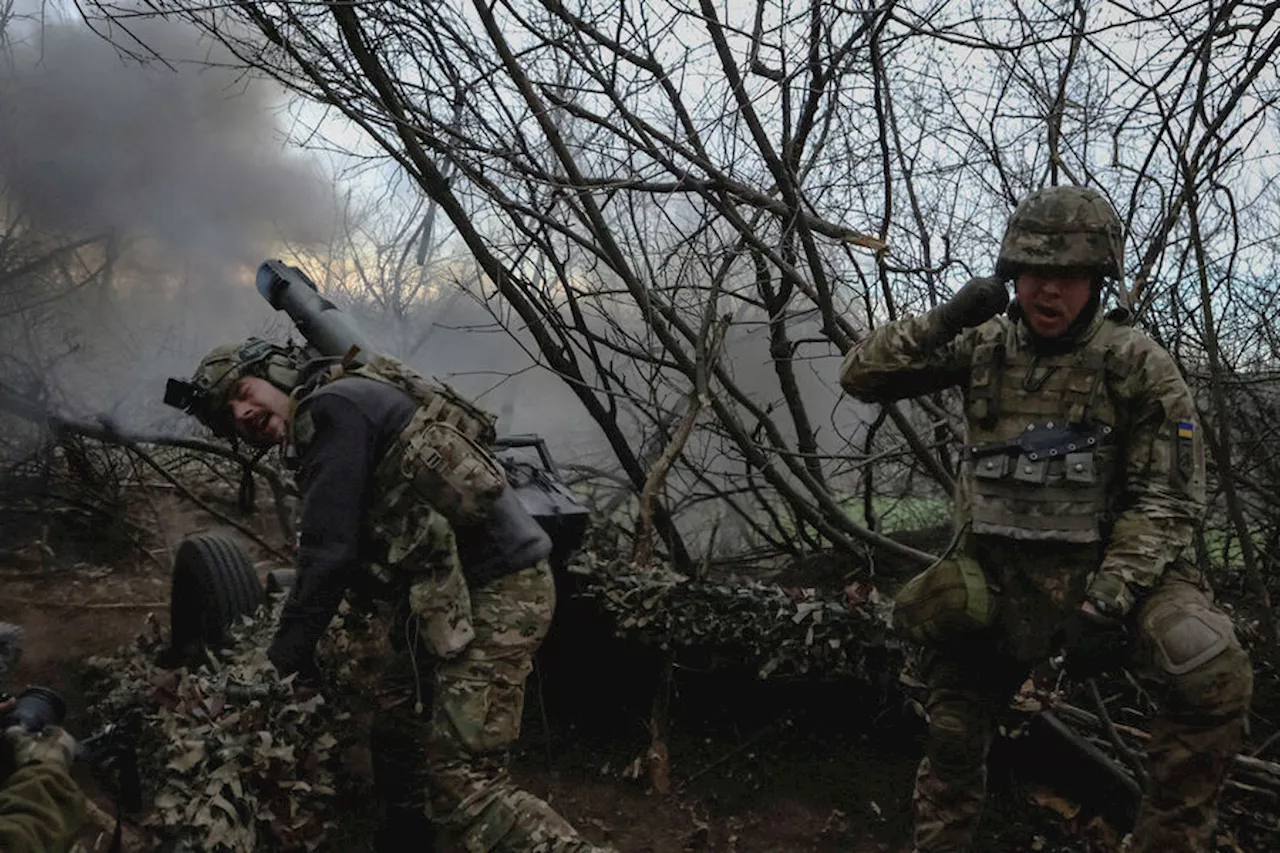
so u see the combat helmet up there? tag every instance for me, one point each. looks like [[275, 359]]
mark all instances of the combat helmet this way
[[1063, 227], [205, 396]]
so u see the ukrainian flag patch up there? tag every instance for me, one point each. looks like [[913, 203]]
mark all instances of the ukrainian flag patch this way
[[1186, 429]]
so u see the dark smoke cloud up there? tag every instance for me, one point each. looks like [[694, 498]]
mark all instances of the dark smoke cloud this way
[[187, 156], [185, 166]]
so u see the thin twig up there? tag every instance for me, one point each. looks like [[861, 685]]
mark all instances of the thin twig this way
[[204, 505], [1266, 743], [785, 719], [1130, 757], [1269, 770], [129, 839]]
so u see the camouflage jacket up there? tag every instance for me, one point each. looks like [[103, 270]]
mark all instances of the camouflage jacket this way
[[1139, 495], [40, 810]]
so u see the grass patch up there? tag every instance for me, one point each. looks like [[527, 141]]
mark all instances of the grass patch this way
[[898, 514], [1224, 549]]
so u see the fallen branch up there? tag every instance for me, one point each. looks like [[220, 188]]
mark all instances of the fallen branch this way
[[1130, 757], [87, 605], [205, 505], [1248, 765]]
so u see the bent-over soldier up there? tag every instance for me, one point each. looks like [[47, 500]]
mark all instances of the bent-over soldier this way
[[399, 491]]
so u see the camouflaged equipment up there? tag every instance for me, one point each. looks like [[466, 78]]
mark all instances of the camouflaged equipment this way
[[949, 600], [1070, 227], [224, 366]]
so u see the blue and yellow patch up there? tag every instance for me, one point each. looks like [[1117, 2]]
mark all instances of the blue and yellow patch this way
[[1186, 429]]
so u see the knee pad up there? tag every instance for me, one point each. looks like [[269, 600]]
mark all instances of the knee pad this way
[[957, 740], [1194, 647], [1219, 687], [1185, 636], [488, 829]]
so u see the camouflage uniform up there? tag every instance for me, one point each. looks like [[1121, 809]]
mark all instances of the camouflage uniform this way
[[457, 752], [473, 598], [41, 807], [1109, 521]]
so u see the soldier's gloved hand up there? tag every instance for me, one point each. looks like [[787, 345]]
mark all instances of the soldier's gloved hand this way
[[290, 652], [1093, 643], [974, 304], [50, 746]]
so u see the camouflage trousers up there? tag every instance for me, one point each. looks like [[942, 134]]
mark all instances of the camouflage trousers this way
[[1203, 690], [447, 761]]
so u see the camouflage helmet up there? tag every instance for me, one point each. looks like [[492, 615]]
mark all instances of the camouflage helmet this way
[[1063, 227], [206, 395]]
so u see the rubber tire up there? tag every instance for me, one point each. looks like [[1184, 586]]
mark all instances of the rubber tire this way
[[214, 584]]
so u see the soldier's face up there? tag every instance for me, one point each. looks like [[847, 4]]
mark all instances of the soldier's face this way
[[259, 410], [1051, 300]]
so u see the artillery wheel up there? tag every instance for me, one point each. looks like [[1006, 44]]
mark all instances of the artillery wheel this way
[[213, 585]]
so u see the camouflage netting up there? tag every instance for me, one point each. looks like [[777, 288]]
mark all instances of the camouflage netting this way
[[776, 631], [230, 759]]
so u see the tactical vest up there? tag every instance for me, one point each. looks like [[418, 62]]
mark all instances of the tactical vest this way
[[442, 453], [437, 473], [1042, 455]]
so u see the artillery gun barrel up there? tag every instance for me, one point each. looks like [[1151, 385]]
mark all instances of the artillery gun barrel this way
[[326, 328]]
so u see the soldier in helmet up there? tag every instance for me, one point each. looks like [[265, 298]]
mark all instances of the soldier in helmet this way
[[1082, 483], [472, 593]]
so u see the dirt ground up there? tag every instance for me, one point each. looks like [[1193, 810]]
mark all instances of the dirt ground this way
[[786, 768], [754, 799]]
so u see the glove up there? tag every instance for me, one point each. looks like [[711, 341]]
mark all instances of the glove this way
[[1093, 643], [51, 746], [291, 652], [974, 304]]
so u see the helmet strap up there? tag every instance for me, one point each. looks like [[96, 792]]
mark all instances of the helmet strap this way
[[248, 491]]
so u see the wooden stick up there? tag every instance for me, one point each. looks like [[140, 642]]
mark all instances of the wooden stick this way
[[204, 505], [653, 483], [1269, 770], [130, 842], [1130, 756]]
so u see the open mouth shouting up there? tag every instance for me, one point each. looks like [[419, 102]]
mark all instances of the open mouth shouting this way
[[1051, 300], [259, 410]]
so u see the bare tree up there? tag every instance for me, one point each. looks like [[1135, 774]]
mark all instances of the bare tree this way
[[622, 172]]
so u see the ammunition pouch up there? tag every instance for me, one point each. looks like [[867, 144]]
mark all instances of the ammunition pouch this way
[[440, 604], [1048, 483], [447, 469], [947, 601]]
